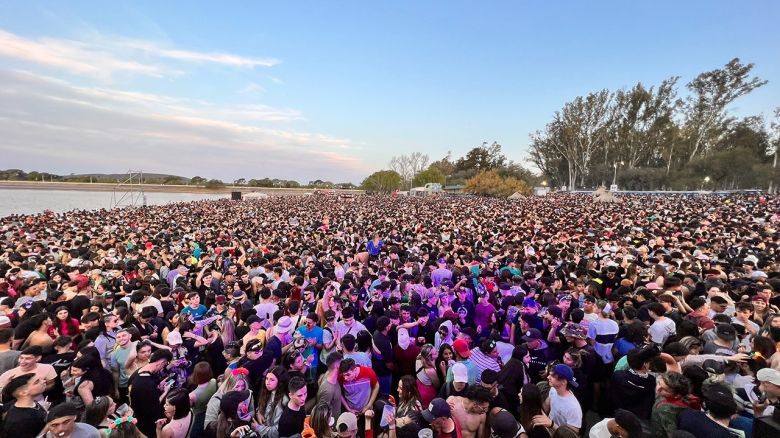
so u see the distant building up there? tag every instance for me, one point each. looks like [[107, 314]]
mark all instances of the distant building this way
[[456, 189], [427, 190], [541, 191]]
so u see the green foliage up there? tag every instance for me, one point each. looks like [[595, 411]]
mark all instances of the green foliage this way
[[384, 181], [267, 182], [196, 180], [320, 184], [483, 157], [214, 183], [650, 139], [430, 175]]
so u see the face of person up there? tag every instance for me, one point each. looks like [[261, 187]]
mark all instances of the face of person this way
[[27, 361], [144, 353], [770, 389], [169, 409], [111, 406], [613, 428], [554, 381], [351, 374], [447, 355], [62, 427], [123, 338], [195, 301], [240, 385], [299, 396], [310, 323], [479, 408], [568, 360], [36, 386], [76, 372]]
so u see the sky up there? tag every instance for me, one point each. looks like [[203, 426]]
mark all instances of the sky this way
[[332, 90]]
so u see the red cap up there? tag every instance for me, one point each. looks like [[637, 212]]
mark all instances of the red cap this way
[[462, 348]]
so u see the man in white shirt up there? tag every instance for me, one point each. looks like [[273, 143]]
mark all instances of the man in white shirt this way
[[662, 327], [562, 406]]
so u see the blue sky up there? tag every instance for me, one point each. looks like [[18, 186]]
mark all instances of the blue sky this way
[[332, 90]]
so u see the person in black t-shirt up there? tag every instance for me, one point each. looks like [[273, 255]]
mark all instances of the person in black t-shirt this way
[[146, 391], [384, 365], [294, 414], [257, 360], [61, 359], [24, 417]]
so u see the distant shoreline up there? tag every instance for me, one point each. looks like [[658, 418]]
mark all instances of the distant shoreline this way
[[153, 188]]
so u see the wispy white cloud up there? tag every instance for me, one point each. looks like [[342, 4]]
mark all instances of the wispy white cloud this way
[[104, 56], [74, 57], [189, 56], [43, 117]]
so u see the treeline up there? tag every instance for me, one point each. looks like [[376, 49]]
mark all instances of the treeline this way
[[483, 170], [20, 175], [648, 138]]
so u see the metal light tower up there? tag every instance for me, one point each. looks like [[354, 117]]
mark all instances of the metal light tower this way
[[129, 192]]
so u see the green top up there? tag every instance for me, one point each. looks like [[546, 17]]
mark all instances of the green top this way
[[203, 394]]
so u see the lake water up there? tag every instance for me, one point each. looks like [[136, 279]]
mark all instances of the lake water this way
[[21, 201]]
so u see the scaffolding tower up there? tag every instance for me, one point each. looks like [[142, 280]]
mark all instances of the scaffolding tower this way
[[129, 191]]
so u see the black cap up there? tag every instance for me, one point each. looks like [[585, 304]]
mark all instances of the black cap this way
[[726, 332], [63, 410], [437, 409]]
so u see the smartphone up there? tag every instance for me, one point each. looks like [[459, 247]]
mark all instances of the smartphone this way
[[122, 410], [388, 410]]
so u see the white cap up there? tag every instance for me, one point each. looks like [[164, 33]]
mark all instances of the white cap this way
[[770, 375], [460, 373], [174, 338]]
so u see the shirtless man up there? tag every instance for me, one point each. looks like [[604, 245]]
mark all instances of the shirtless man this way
[[471, 411]]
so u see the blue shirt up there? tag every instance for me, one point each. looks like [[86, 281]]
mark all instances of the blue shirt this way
[[195, 313], [374, 249], [315, 333]]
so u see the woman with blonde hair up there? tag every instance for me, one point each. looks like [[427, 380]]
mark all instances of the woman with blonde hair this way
[[328, 302], [235, 380], [427, 377]]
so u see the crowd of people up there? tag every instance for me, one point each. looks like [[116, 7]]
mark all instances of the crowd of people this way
[[445, 317]]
